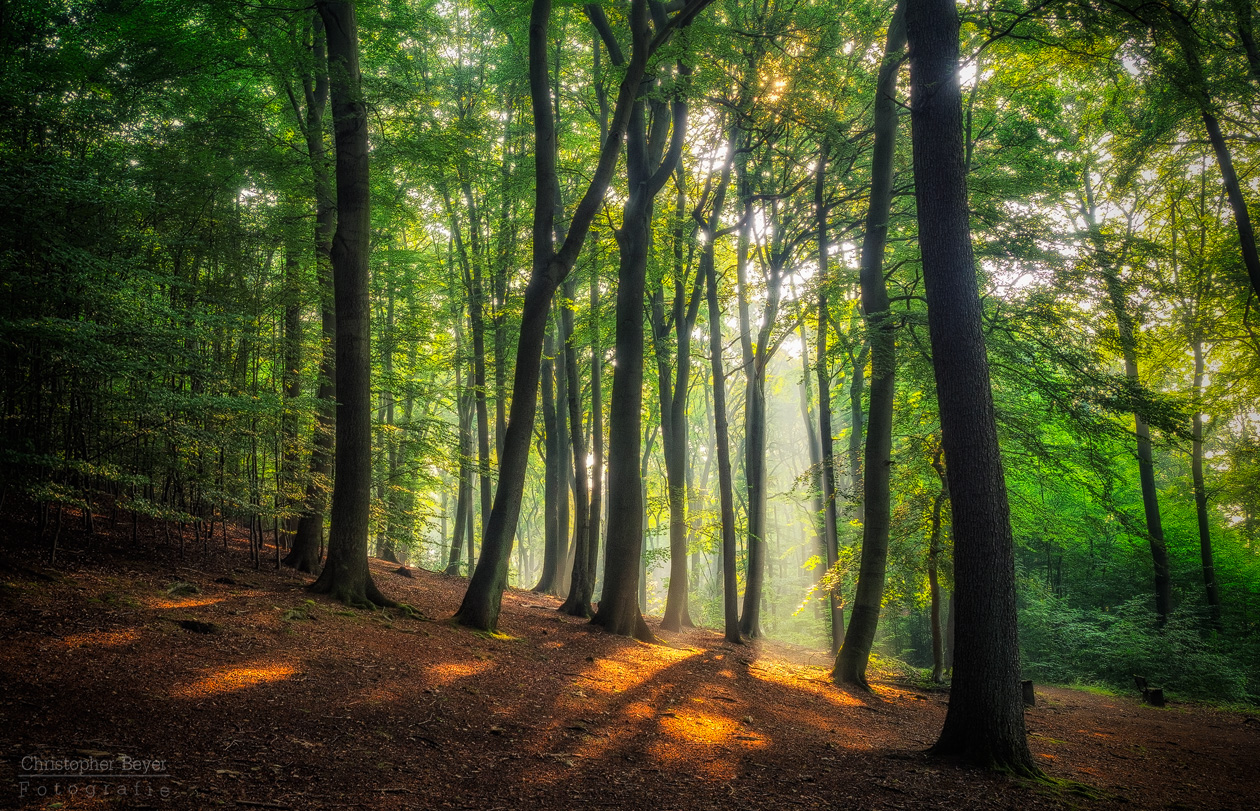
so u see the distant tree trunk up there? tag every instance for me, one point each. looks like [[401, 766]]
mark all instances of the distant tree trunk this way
[[850, 667], [308, 540], [578, 601], [1146, 466], [346, 576], [721, 430], [985, 720], [1200, 491], [463, 497], [935, 548], [551, 473], [857, 429], [386, 548], [292, 390], [674, 397]]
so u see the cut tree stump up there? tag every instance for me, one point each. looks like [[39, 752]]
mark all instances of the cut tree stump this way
[[1030, 698]]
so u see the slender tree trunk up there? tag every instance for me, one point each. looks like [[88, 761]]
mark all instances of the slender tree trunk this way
[[1233, 191], [935, 550], [827, 472], [308, 540], [985, 720], [551, 473], [481, 604], [463, 497], [1200, 491], [855, 653], [578, 601], [346, 574], [1146, 465], [674, 397]]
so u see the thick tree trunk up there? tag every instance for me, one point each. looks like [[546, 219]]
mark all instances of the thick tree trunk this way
[[850, 667], [346, 576], [985, 720]]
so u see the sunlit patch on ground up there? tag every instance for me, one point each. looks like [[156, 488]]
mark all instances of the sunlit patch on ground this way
[[164, 603], [447, 673], [618, 675], [101, 639], [693, 727], [811, 679], [231, 679]]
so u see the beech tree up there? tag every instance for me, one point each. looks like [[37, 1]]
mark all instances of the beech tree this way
[[985, 721], [345, 575]]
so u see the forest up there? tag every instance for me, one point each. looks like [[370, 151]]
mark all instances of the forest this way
[[922, 335]]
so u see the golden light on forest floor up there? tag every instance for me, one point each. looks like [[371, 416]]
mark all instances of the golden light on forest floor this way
[[229, 680], [102, 639], [447, 673], [622, 673], [166, 603]]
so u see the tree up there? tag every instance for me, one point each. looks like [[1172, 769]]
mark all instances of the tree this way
[[985, 721], [649, 166], [345, 575], [850, 667]]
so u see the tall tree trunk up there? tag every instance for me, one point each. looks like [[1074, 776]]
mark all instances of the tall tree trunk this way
[[674, 397], [1127, 330], [578, 601], [1200, 490], [827, 472], [464, 411], [881, 334], [308, 540], [935, 549], [647, 173], [481, 604], [346, 576], [985, 720], [551, 473]]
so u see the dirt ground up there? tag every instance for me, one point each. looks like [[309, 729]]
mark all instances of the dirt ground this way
[[294, 702]]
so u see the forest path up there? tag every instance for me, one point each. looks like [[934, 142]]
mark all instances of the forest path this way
[[298, 703]]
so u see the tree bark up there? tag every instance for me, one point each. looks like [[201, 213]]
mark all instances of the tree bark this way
[[346, 576], [827, 472], [309, 537], [985, 720], [855, 653], [647, 173], [481, 604], [1200, 490], [674, 397]]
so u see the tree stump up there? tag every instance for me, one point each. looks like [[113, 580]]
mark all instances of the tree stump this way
[[1030, 698], [1154, 696]]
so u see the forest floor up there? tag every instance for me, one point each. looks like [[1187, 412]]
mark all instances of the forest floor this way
[[294, 702]]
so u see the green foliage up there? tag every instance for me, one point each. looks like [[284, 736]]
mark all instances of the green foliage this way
[[1064, 645]]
